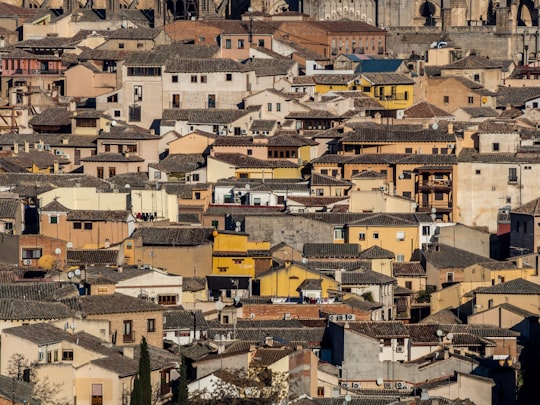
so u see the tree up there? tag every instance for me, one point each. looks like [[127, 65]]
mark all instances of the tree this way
[[142, 386], [183, 392]]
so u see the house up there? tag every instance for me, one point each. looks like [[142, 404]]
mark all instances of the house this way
[[453, 92], [184, 327], [327, 186], [519, 293], [179, 167], [462, 385], [372, 286], [410, 275], [11, 216], [233, 254], [33, 250], [269, 71], [135, 39], [524, 238], [275, 104], [87, 368], [392, 90], [296, 282], [475, 114], [227, 165], [334, 82], [161, 246], [487, 72], [196, 142]]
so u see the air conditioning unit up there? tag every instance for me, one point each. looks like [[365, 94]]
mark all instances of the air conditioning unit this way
[[399, 349], [356, 385], [340, 317], [244, 132], [351, 317], [39, 146], [27, 262], [401, 385], [387, 386], [223, 132], [344, 384], [65, 156], [47, 147], [332, 317], [58, 152]]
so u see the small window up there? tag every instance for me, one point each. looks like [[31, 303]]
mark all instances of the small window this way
[[470, 100], [240, 44], [228, 77], [450, 277], [203, 78], [400, 236], [77, 225], [476, 77], [140, 45], [256, 201], [496, 146], [215, 224], [157, 175], [435, 151], [195, 177], [121, 45], [439, 196], [193, 78], [320, 392], [446, 99], [269, 107], [400, 258], [278, 107], [261, 42], [375, 235], [88, 225], [407, 194], [174, 78], [228, 44], [361, 236], [426, 230], [408, 284], [67, 355], [250, 152], [117, 113], [197, 195], [53, 219], [478, 171], [151, 325], [408, 150]]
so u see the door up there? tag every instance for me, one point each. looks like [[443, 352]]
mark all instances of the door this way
[[211, 101]]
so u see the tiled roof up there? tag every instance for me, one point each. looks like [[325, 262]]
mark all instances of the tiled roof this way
[[325, 180], [266, 356], [8, 208], [52, 116], [53, 140], [365, 277], [103, 54], [270, 67], [518, 286], [471, 155], [174, 236], [325, 265], [190, 51], [182, 65], [516, 96], [103, 215], [330, 250], [424, 109], [128, 132], [203, 116], [368, 174], [303, 80], [316, 201], [480, 112], [408, 269], [92, 257], [384, 219], [180, 163], [311, 114], [474, 62], [263, 125], [444, 256], [135, 33], [380, 330], [377, 252], [115, 303], [243, 161], [39, 291], [310, 284], [113, 157], [396, 135], [24, 309], [147, 59], [367, 218], [444, 316], [184, 320], [100, 280], [192, 284], [529, 208], [290, 140], [377, 79], [334, 79], [32, 184]]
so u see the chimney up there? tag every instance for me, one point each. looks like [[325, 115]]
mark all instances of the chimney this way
[[26, 147], [15, 148], [129, 352], [519, 262], [56, 167], [450, 128]]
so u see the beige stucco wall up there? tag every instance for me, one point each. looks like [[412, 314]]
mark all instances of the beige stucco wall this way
[[83, 82], [528, 302], [84, 198], [378, 201], [190, 143]]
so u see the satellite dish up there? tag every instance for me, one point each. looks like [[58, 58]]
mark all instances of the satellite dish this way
[[439, 333], [435, 126], [348, 398], [69, 245], [127, 185], [57, 251], [304, 260], [70, 275], [113, 123], [236, 299], [380, 381], [238, 223], [401, 176], [77, 272], [219, 305], [450, 336]]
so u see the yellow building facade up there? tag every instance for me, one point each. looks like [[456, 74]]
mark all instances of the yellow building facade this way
[[392, 90]]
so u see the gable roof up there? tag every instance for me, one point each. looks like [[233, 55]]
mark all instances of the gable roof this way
[[530, 208], [377, 252], [423, 109], [9, 208], [24, 309], [474, 62], [203, 115], [180, 64], [114, 303], [330, 250], [38, 291], [92, 256], [519, 286], [408, 269], [174, 236], [180, 319], [444, 256], [386, 78], [365, 277]]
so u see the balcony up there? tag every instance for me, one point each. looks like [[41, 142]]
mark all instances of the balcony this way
[[36, 72], [440, 206], [443, 185], [393, 97]]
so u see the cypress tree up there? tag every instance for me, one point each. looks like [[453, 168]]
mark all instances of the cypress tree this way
[[135, 398], [182, 384], [142, 385]]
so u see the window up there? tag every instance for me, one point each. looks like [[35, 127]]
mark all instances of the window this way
[[320, 391], [174, 78], [127, 331], [195, 177], [490, 303], [339, 233], [77, 225], [240, 44], [137, 93], [250, 152], [31, 253], [446, 99], [140, 45], [408, 284], [400, 258], [435, 151], [157, 175], [319, 192], [269, 106], [135, 113], [407, 175], [121, 45], [117, 113], [400, 236], [215, 224], [88, 226], [167, 299], [470, 100], [228, 44], [278, 107], [375, 235], [426, 230], [439, 196], [193, 78], [144, 71], [228, 77], [450, 277], [55, 356], [476, 77], [151, 325], [496, 146], [243, 176], [67, 355], [112, 171], [407, 194], [203, 78], [202, 39], [512, 174], [197, 195], [408, 150], [478, 171], [261, 42], [256, 201], [53, 219], [112, 98], [97, 394], [361, 236]]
